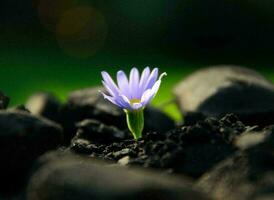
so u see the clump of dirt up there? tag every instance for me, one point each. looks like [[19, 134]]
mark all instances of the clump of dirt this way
[[190, 150]]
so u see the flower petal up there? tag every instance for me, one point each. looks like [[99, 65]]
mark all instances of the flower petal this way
[[111, 99], [123, 84], [134, 83], [156, 86], [129, 106], [149, 98], [134, 93], [108, 89], [125, 102], [162, 75], [146, 97], [152, 79], [110, 83], [144, 78], [136, 106], [149, 94]]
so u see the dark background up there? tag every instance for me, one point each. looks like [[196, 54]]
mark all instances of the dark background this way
[[62, 45]]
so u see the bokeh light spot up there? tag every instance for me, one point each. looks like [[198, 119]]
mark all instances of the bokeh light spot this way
[[81, 31], [50, 11]]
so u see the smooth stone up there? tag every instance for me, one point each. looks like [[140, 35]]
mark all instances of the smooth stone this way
[[87, 104], [219, 90], [23, 138], [156, 120], [90, 104], [44, 104], [70, 177], [94, 130], [249, 174]]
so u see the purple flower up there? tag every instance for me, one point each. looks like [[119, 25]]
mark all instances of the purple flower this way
[[133, 93]]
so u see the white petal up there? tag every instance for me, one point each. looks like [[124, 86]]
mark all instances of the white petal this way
[[123, 84], [136, 106], [126, 101], [111, 99], [162, 75], [157, 84], [108, 89], [149, 94], [134, 83], [156, 87], [148, 99], [144, 78], [152, 78], [110, 83], [146, 95]]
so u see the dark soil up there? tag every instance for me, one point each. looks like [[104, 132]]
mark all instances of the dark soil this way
[[190, 150]]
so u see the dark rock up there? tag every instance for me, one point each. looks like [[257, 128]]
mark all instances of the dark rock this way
[[71, 177], [220, 90], [50, 156], [89, 104], [191, 118], [19, 108], [249, 174], [44, 104], [4, 101], [156, 120], [95, 130], [190, 150], [22, 139]]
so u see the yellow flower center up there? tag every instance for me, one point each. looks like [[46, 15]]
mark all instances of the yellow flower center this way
[[132, 101]]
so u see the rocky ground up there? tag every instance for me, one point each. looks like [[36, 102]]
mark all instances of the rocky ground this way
[[81, 149]]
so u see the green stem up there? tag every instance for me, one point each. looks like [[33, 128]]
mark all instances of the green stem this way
[[135, 122]]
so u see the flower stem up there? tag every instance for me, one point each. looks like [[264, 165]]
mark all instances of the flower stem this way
[[135, 122]]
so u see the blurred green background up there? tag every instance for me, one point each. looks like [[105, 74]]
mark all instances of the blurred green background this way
[[62, 45]]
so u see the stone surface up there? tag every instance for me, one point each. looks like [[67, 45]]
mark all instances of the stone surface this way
[[96, 131], [44, 104], [220, 90], [156, 120], [249, 174], [89, 104], [69, 177], [22, 139]]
